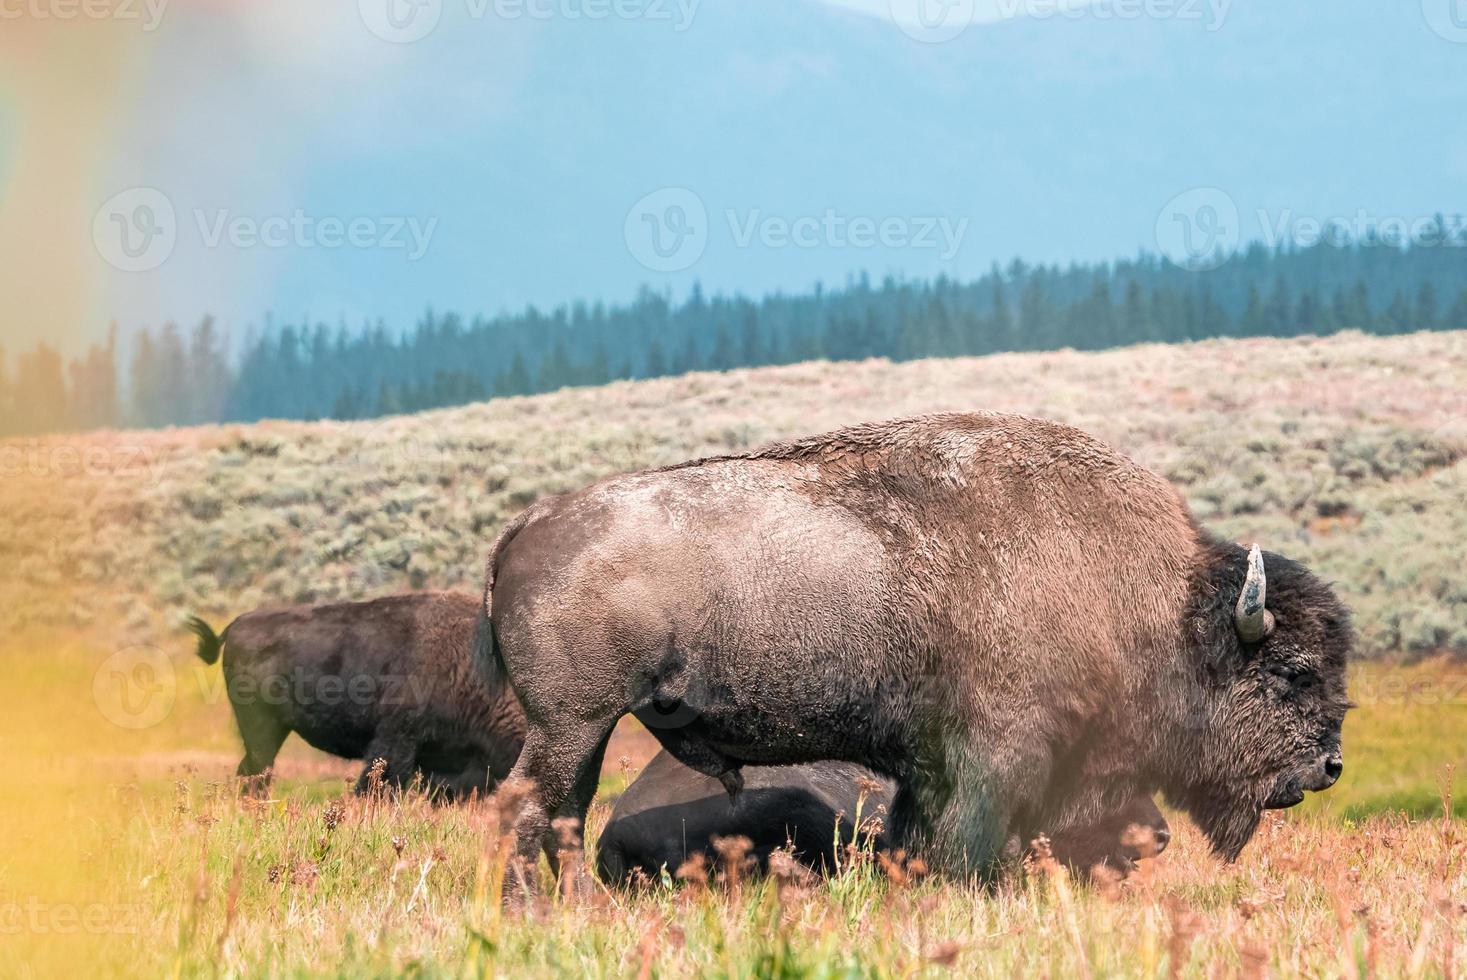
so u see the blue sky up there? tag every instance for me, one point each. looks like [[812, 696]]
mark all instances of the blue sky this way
[[500, 159]]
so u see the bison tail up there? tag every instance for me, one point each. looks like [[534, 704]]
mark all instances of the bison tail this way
[[487, 657], [209, 642]]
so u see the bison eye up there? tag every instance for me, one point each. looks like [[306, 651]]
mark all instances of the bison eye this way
[[1297, 678]]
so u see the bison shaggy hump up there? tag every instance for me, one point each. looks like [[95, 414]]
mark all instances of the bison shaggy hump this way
[[1018, 625]]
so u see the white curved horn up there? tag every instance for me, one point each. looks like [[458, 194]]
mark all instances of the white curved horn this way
[[1251, 617]]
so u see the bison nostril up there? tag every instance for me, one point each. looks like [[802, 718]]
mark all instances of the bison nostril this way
[[1163, 838], [1333, 767]]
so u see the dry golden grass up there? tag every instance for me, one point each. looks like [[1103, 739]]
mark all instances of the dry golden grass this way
[[167, 870]]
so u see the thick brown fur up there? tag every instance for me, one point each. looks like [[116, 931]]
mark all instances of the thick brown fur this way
[[1020, 626], [387, 679]]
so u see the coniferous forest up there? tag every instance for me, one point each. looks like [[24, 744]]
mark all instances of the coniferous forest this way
[[172, 375]]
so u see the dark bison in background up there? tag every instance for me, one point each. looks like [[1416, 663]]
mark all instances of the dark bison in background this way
[[386, 679], [1021, 627], [670, 812]]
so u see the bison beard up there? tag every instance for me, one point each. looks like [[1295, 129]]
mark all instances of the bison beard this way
[[1019, 626]]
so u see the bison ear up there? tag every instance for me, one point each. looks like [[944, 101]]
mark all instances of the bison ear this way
[[1251, 618]]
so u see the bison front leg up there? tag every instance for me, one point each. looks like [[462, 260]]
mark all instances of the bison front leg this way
[[957, 820], [392, 753]]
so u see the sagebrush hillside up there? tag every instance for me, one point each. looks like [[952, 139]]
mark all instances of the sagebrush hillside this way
[[1349, 453]]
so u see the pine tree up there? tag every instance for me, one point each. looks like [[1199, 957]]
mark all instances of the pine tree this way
[[1035, 317], [1278, 311], [656, 360], [1426, 307], [1309, 313], [143, 382], [93, 388], [555, 369], [1398, 314], [598, 370], [1135, 325], [1456, 318], [389, 400], [349, 404], [208, 374], [1002, 327], [843, 339], [687, 360], [1357, 313], [751, 344], [40, 397], [515, 381], [721, 358], [1212, 319], [1254, 322]]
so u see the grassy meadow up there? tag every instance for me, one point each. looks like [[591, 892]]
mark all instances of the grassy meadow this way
[[126, 848]]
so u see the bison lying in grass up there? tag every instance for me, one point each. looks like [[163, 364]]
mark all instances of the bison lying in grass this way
[[670, 813], [1020, 626], [387, 679]]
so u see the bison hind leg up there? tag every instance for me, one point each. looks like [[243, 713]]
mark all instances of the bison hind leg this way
[[561, 769], [262, 734]]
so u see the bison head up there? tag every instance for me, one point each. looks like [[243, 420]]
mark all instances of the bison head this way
[[1263, 729]]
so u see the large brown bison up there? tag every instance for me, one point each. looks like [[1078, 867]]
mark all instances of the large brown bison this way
[[1020, 626], [387, 679], [670, 813]]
